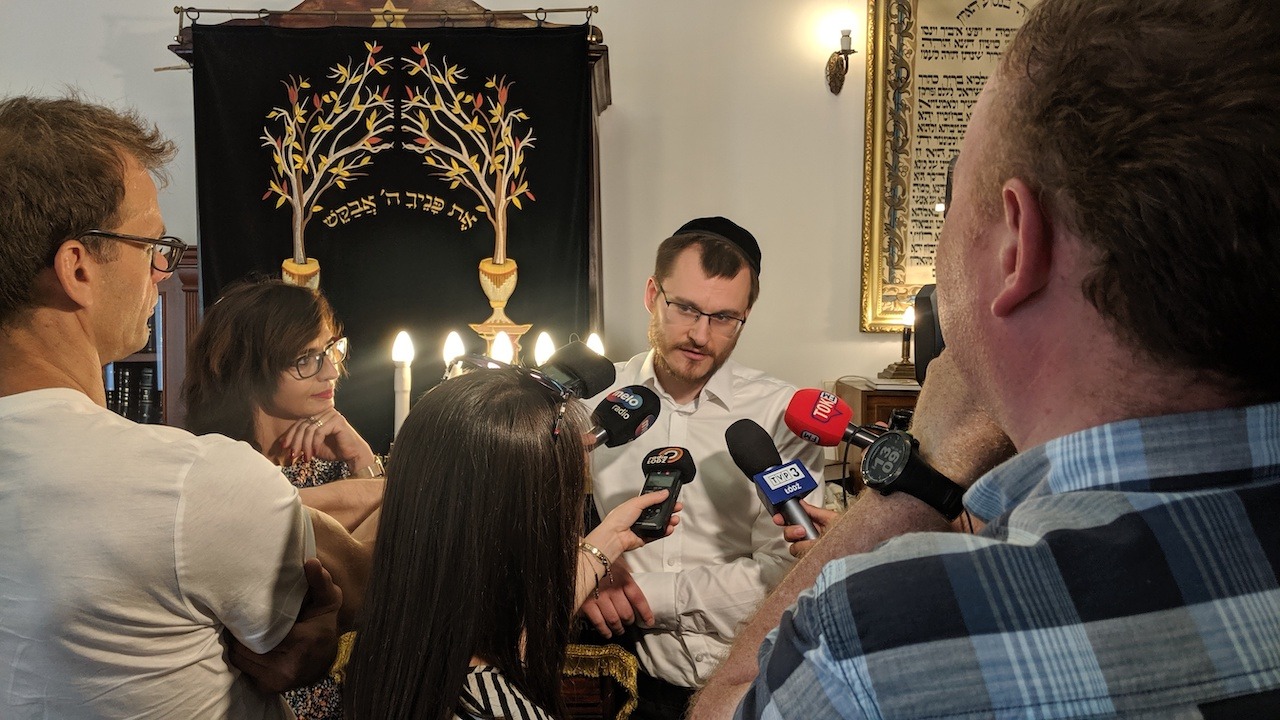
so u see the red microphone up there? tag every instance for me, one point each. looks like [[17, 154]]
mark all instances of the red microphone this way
[[824, 419]]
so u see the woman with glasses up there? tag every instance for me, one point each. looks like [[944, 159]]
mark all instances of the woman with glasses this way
[[263, 369], [480, 563]]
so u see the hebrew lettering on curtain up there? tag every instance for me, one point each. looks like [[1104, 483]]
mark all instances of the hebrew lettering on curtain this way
[[417, 168]]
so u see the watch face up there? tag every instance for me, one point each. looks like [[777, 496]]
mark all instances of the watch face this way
[[885, 459]]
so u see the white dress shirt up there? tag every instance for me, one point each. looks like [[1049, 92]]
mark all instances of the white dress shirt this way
[[726, 554]]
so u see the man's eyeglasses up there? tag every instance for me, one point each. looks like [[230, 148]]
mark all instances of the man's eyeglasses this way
[[466, 363], [309, 365], [166, 251], [684, 315]]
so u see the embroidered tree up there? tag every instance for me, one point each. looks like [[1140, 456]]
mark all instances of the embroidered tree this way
[[470, 139], [324, 139]]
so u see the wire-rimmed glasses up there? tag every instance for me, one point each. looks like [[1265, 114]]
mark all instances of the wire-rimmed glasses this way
[[685, 315]]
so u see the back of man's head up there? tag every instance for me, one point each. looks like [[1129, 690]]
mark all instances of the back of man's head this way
[[62, 173], [1152, 129]]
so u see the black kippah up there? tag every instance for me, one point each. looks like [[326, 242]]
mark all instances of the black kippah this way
[[728, 231]]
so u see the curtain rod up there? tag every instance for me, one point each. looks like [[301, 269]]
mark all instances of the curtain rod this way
[[540, 14]]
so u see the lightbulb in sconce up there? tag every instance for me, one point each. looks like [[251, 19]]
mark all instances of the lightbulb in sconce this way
[[543, 349], [838, 63], [453, 347], [594, 342], [503, 349]]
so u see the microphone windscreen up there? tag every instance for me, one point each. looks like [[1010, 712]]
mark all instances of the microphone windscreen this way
[[751, 447], [581, 369], [626, 413], [669, 459], [818, 416]]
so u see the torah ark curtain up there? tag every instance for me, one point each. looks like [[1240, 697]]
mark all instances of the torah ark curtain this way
[[398, 157]]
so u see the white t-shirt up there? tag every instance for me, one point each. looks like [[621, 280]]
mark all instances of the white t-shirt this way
[[726, 554], [125, 550]]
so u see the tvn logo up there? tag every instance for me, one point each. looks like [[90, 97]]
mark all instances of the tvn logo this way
[[783, 476]]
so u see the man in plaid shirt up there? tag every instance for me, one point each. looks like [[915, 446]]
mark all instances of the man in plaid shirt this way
[[1106, 280]]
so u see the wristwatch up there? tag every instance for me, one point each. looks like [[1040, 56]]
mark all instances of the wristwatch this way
[[892, 464]]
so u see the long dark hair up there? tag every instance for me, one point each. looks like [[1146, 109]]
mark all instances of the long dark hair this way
[[247, 338], [476, 551]]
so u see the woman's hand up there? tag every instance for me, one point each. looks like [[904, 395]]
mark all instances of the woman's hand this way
[[327, 436], [613, 536]]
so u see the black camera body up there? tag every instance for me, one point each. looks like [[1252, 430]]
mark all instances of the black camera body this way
[[928, 333]]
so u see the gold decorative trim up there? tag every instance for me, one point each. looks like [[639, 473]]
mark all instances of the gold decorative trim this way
[[606, 660]]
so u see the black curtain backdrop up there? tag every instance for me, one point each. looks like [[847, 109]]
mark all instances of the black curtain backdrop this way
[[396, 249]]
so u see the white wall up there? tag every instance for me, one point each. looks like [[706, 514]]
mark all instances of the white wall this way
[[719, 108]]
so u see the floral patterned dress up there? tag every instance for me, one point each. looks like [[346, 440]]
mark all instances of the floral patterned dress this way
[[323, 700]]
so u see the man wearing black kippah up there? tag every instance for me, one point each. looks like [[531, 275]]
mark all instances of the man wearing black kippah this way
[[689, 592]]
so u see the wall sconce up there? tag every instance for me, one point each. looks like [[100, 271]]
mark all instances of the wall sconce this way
[[838, 63]]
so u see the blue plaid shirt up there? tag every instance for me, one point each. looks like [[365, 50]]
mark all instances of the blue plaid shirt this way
[[1127, 569]]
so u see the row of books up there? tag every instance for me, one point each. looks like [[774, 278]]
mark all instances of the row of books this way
[[133, 390]]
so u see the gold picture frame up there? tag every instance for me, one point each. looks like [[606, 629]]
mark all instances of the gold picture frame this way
[[913, 129]]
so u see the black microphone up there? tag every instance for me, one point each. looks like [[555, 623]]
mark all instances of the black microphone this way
[[667, 468], [623, 415], [580, 369], [780, 485]]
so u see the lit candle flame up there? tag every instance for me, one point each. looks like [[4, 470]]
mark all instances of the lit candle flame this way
[[453, 347], [593, 342], [503, 350], [402, 348], [543, 349]]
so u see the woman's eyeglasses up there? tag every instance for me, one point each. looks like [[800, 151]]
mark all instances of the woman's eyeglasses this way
[[464, 364], [309, 365]]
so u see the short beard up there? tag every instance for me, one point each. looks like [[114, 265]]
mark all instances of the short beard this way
[[657, 342]]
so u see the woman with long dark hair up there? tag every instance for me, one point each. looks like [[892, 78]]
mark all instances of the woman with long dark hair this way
[[480, 563]]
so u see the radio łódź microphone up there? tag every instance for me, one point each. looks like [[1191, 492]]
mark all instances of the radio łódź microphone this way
[[580, 369], [623, 415], [824, 419], [666, 468], [781, 485]]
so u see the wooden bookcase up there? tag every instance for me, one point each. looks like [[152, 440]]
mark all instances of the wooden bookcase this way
[[177, 314]]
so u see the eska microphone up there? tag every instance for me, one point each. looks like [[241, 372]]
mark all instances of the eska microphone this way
[[667, 468]]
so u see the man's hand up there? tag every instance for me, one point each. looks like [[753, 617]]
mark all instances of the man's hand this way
[[307, 652], [620, 602], [822, 519]]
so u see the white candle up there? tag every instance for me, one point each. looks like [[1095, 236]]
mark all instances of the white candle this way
[[402, 356]]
